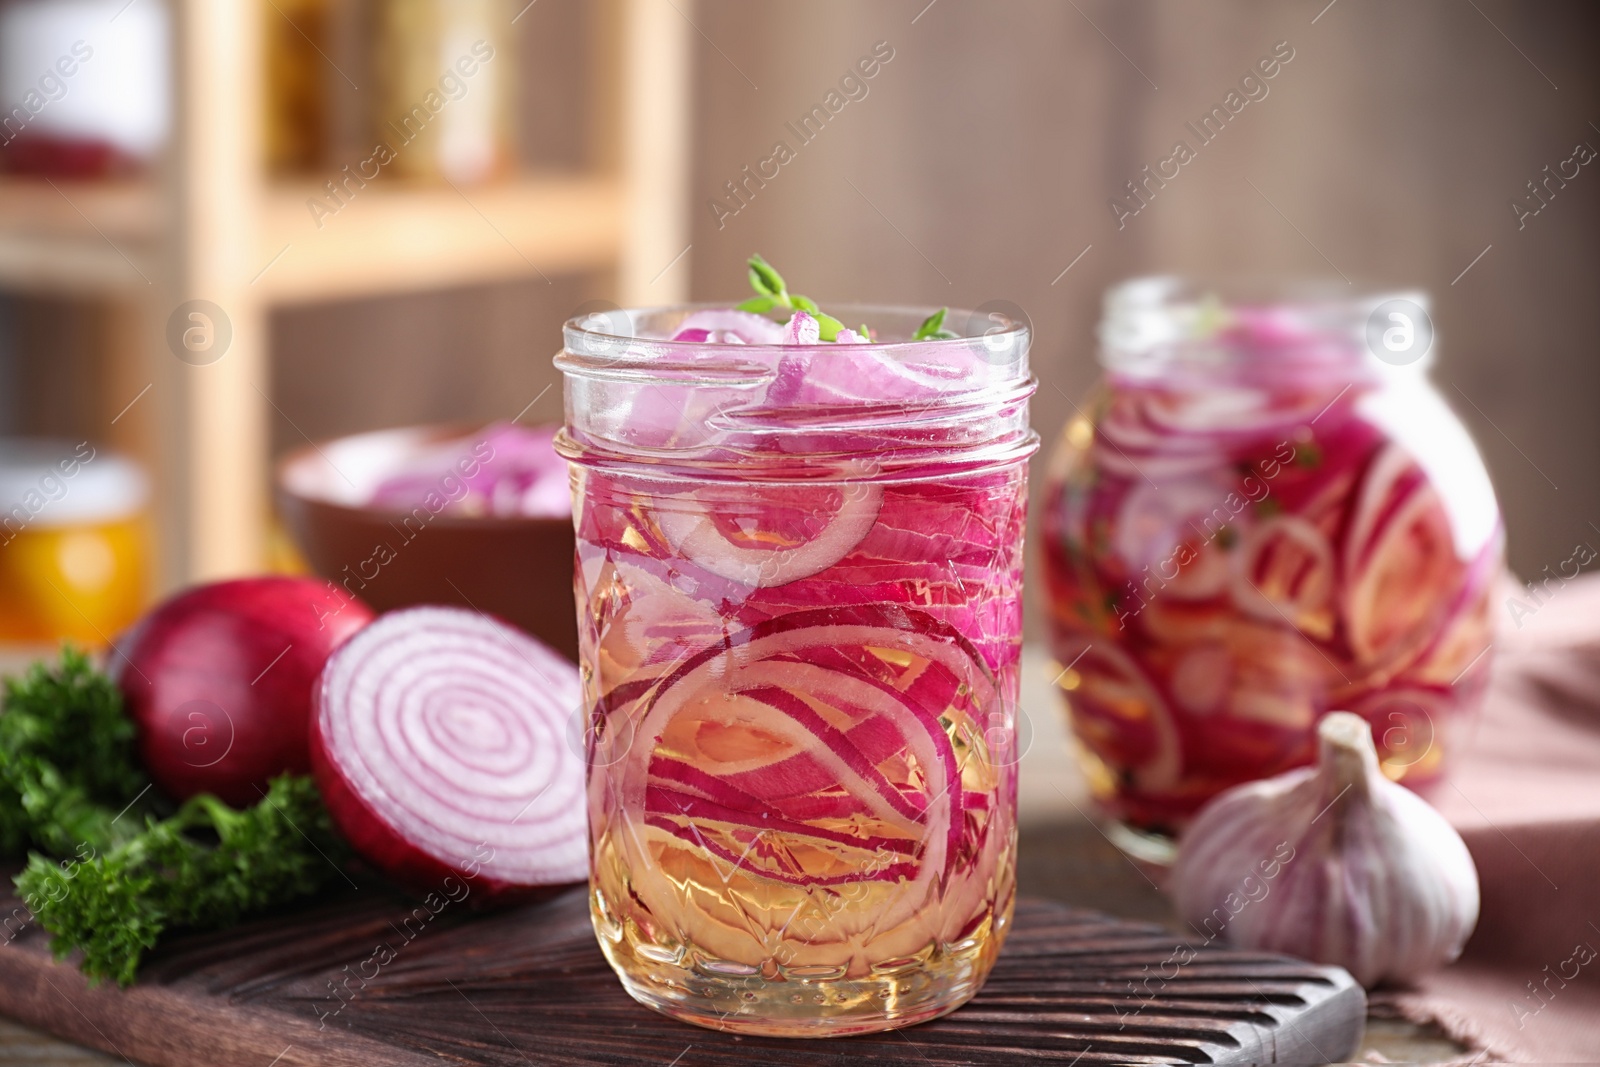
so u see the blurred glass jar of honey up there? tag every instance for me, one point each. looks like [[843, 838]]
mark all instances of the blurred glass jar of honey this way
[[445, 69], [74, 542], [297, 117], [442, 110]]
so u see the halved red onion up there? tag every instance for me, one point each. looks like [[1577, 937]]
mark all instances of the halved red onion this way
[[439, 744]]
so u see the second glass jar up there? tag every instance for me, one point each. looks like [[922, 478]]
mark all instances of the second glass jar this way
[[1266, 513]]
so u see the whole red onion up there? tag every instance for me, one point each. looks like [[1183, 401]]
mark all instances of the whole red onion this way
[[219, 678]]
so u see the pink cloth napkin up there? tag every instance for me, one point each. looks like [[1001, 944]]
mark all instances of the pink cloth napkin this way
[[1525, 795]]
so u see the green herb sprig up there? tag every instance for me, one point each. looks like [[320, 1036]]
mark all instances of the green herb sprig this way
[[107, 875], [774, 299], [772, 295], [67, 761], [205, 867], [932, 328]]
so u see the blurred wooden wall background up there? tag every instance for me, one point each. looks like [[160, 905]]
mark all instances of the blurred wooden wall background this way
[[979, 165]]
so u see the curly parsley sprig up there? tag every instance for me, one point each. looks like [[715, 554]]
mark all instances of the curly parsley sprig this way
[[107, 875], [206, 867], [67, 761]]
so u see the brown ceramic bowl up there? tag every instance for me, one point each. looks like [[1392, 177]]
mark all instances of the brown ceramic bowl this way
[[519, 569]]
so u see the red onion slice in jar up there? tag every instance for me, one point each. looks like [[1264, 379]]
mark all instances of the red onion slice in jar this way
[[815, 377], [1455, 657], [729, 326], [1398, 559], [1170, 534], [1285, 573], [805, 754], [1231, 412], [1279, 676], [439, 743], [817, 760], [690, 525], [1104, 683], [655, 615]]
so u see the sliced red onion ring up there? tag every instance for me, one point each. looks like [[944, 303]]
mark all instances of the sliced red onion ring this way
[[729, 326], [1113, 688], [1284, 573], [1170, 533], [1456, 657], [1398, 556], [688, 527], [439, 745], [855, 778]]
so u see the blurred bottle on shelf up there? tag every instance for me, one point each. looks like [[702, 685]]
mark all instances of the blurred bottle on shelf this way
[[84, 86], [74, 542], [445, 69], [296, 35]]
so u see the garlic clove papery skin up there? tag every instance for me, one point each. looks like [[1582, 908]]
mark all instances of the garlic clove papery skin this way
[[1333, 863]]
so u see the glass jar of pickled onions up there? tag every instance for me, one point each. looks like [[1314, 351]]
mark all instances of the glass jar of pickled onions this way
[[1266, 513], [798, 587]]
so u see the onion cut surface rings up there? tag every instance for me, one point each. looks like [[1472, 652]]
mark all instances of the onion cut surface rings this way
[[439, 744]]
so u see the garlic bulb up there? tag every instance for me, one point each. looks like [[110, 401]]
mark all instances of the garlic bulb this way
[[1332, 863]]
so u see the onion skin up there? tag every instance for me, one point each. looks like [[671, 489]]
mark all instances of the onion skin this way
[[218, 681], [1334, 863]]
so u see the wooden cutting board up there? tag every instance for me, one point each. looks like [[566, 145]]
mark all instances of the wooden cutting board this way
[[529, 986]]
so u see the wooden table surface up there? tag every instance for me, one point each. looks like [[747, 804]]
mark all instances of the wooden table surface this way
[[1062, 856]]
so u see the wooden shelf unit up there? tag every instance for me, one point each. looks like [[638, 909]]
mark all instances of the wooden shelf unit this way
[[83, 238], [394, 236], [209, 226]]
